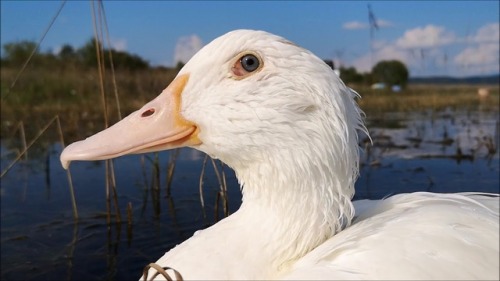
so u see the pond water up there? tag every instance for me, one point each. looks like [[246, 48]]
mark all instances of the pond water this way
[[446, 151]]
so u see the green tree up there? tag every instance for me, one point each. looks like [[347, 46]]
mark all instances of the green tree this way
[[179, 65], [124, 60], [87, 53], [18, 53], [367, 78], [350, 75], [391, 73], [67, 52], [128, 61]]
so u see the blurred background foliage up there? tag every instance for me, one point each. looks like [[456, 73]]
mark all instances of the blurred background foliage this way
[[67, 83]]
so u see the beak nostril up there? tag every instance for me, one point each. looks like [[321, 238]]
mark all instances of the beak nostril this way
[[148, 112]]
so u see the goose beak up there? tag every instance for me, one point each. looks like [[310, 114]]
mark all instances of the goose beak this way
[[158, 125]]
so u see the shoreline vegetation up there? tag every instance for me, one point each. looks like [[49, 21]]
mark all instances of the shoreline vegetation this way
[[74, 95], [59, 99], [67, 85]]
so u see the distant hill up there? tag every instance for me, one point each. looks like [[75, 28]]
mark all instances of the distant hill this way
[[488, 79]]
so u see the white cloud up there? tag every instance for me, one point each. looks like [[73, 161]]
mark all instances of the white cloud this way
[[118, 44], [186, 47], [482, 51], [352, 25], [363, 63], [382, 51], [483, 54], [487, 33], [57, 50], [384, 23], [418, 48], [479, 59], [434, 50], [429, 36]]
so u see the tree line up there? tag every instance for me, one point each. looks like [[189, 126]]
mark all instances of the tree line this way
[[15, 54], [391, 72]]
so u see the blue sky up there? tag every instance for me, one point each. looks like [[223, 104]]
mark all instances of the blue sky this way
[[456, 38]]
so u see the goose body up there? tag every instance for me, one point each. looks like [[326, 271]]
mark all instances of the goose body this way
[[288, 126]]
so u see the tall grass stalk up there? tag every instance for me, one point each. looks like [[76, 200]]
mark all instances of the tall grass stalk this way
[[222, 194], [23, 138], [171, 169], [22, 135], [28, 146], [71, 250], [68, 173], [146, 184], [200, 186], [98, 35], [129, 213], [155, 185], [112, 65], [112, 183]]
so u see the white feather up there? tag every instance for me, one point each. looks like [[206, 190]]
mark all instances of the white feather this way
[[289, 131]]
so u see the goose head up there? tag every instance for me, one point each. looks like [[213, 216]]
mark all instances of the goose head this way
[[271, 110]]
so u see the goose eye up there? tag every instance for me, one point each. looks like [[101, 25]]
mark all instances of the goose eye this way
[[245, 65], [249, 62]]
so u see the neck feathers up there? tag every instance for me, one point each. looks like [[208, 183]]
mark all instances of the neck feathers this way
[[301, 202], [301, 178]]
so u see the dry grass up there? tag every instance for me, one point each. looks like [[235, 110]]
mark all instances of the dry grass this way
[[82, 116], [74, 96], [435, 97]]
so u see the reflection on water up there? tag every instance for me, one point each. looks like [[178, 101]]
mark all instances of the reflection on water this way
[[439, 152]]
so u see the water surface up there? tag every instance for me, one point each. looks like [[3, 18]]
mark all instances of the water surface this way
[[446, 151]]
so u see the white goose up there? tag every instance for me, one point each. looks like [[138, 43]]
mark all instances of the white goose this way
[[287, 125]]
